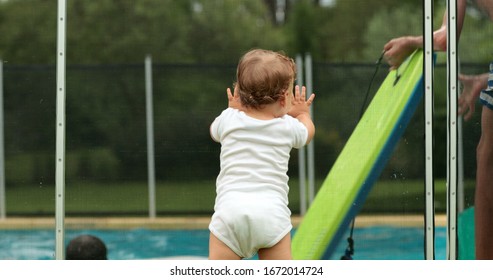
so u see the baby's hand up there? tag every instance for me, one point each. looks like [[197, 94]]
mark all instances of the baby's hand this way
[[300, 105], [301, 110], [233, 100]]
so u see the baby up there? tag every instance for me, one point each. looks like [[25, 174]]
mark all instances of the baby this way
[[264, 121]]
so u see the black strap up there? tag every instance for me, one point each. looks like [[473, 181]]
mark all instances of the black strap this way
[[348, 254]]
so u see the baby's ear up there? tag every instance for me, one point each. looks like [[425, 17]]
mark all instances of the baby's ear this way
[[282, 99]]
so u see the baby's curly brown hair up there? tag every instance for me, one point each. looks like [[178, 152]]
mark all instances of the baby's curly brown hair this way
[[263, 77]]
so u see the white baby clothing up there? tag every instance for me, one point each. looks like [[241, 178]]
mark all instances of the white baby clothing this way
[[251, 208]]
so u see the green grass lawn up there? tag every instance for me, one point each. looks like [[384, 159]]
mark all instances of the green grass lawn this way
[[114, 198], [197, 198]]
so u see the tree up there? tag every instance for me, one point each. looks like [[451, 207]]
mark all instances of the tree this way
[[335, 33], [28, 29], [221, 31], [109, 31], [387, 24], [301, 29]]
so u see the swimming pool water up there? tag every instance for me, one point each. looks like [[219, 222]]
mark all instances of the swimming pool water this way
[[370, 243]]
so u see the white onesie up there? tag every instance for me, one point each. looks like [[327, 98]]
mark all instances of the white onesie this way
[[251, 210]]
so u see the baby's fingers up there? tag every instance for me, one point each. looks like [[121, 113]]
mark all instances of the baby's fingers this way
[[296, 92], [298, 97], [310, 99], [303, 93]]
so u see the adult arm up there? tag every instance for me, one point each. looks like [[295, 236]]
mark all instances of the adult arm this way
[[398, 49]]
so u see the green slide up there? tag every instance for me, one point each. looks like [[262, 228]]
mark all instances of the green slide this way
[[361, 162]]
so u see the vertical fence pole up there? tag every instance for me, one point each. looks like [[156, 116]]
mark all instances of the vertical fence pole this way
[[150, 138], [3, 211], [60, 130], [311, 147], [429, 176], [301, 151], [460, 160], [452, 129]]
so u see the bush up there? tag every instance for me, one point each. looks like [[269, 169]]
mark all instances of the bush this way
[[97, 164], [30, 168]]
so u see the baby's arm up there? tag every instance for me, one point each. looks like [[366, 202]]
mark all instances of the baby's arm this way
[[301, 110]]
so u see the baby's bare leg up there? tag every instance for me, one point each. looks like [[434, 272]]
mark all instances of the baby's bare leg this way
[[219, 251], [280, 251]]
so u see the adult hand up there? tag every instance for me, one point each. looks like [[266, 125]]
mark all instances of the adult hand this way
[[473, 84], [398, 49]]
